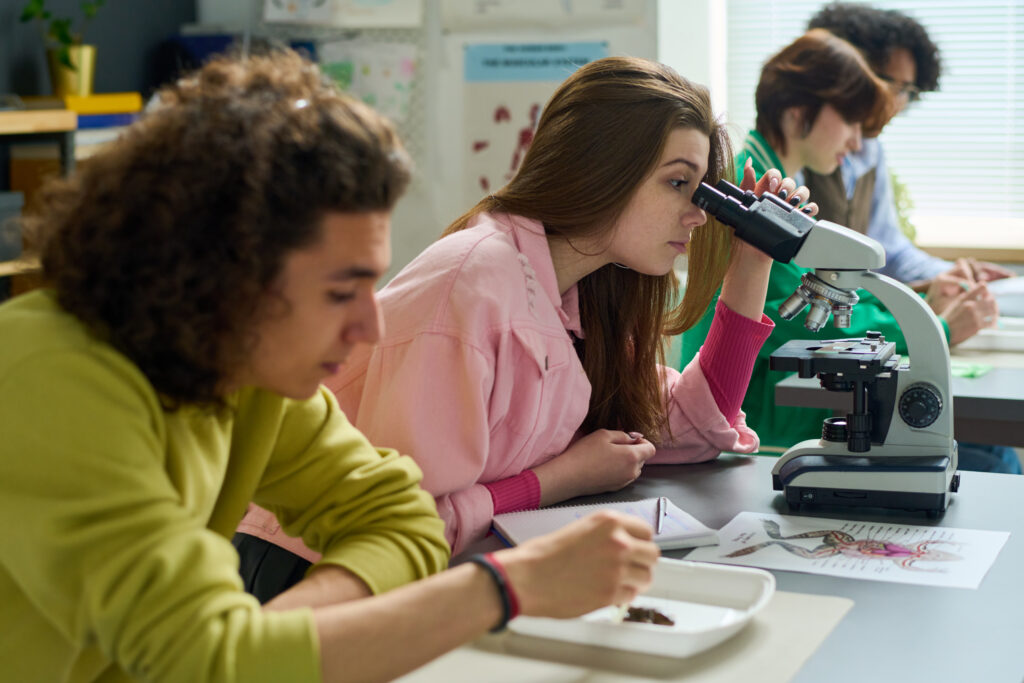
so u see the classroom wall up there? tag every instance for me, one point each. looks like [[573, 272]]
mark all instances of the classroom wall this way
[[438, 192], [127, 33]]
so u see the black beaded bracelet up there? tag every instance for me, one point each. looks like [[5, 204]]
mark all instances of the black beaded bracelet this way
[[503, 590]]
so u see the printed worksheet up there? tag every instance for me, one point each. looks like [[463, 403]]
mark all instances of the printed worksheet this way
[[925, 555]]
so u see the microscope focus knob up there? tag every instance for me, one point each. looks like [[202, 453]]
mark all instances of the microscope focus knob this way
[[920, 405]]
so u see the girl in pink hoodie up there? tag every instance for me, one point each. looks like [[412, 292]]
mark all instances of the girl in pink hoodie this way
[[520, 362]]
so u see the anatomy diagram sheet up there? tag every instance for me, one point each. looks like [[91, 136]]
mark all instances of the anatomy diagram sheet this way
[[924, 555]]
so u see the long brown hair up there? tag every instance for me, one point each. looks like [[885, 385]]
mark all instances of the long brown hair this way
[[166, 243], [816, 69], [600, 136]]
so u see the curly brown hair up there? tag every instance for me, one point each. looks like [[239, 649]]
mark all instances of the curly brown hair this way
[[878, 32], [166, 243]]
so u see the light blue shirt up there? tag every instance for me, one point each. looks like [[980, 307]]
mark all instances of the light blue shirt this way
[[903, 261]]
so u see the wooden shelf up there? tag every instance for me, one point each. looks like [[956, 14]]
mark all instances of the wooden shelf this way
[[37, 121], [21, 266]]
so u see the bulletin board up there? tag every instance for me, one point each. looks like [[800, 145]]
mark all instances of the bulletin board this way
[[464, 80]]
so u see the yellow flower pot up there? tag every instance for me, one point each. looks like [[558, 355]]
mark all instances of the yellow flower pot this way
[[77, 81]]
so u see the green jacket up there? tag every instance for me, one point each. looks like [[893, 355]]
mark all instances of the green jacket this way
[[116, 562], [781, 426]]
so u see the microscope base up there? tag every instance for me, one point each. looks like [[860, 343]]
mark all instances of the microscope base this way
[[915, 483]]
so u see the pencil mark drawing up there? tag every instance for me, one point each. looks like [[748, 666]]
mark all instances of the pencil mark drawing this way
[[836, 542]]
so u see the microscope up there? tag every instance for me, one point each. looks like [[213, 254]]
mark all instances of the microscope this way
[[895, 449]]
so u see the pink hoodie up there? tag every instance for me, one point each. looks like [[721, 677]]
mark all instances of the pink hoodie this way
[[476, 377]]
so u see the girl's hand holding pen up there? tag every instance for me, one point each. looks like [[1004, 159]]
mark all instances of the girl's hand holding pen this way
[[973, 271], [969, 312]]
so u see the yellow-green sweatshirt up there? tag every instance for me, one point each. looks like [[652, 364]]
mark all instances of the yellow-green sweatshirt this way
[[115, 562]]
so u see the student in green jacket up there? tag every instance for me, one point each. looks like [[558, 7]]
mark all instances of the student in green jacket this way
[[205, 273], [815, 101]]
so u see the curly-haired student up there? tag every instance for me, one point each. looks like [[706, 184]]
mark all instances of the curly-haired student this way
[[206, 273]]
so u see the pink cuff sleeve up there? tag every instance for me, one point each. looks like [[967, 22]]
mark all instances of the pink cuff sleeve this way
[[728, 354], [521, 492]]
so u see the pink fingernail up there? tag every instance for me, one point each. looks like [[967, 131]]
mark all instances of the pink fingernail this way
[[636, 436], [773, 184]]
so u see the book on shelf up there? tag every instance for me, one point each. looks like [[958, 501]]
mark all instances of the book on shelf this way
[[104, 103], [93, 121], [98, 103], [678, 528]]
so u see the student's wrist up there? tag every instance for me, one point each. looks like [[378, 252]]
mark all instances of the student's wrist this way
[[508, 600], [549, 481]]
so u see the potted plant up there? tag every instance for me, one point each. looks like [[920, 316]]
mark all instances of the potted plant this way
[[72, 62]]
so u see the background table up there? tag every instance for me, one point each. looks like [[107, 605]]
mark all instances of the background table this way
[[986, 409]]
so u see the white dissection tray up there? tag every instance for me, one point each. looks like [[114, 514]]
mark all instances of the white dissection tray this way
[[708, 603]]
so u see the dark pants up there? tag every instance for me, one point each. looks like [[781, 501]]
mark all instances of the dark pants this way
[[266, 569], [978, 457]]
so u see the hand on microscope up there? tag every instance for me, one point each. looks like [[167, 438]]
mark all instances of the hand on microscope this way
[[967, 306], [746, 281]]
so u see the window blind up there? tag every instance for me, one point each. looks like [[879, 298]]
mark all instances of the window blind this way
[[959, 150]]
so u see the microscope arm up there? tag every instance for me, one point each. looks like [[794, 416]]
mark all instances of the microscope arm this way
[[830, 246], [831, 250], [842, 257]]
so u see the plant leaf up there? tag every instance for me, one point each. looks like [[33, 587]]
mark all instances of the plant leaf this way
[[64, 57], [89, 9], [34, 9], [60, 30]]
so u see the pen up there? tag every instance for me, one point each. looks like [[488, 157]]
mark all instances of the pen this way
[[659, 513]]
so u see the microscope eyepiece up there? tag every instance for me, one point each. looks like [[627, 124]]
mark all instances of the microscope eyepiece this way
[[708, 198], [766, 222]]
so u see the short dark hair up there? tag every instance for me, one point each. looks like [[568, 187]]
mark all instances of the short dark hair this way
[[166, 242], [816, 69], [877, 32]]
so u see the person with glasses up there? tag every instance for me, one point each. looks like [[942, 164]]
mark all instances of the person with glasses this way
[[859, 194], [817, 100]]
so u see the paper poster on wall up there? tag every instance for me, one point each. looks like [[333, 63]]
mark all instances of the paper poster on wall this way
[[298, 11], [483, 15], [380, 74], [506, 86], [346, 13]]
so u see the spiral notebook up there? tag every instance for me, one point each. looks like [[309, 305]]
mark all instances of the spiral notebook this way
[[679, 529]]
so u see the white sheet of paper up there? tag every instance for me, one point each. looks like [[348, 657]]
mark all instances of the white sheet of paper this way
[[901, 553]]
